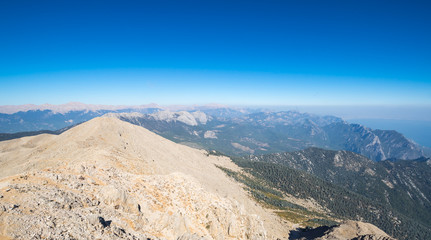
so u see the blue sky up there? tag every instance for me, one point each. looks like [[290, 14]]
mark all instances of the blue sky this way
[[229, 52]]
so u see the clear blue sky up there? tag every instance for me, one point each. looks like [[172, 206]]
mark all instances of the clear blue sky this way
[[231, 52]]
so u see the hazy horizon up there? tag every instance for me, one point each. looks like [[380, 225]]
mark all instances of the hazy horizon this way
[[346, 112]]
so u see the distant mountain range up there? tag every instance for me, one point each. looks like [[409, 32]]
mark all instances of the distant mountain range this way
[[234, 131], [269, 132], [418, 130], [69, 107], [78, 106]]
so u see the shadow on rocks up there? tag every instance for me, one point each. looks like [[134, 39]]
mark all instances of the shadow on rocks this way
[[105, 223]]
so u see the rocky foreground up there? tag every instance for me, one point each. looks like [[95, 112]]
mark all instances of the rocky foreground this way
[[107, 179]]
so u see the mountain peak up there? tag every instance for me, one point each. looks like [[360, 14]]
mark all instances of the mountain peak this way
[[111, 179]]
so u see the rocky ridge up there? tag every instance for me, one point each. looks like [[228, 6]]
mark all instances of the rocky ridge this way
[[109, 179]]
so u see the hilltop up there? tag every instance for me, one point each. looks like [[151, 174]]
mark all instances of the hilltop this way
[[108, 169]]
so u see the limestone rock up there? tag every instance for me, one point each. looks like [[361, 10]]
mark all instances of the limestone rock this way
[[348, 230]]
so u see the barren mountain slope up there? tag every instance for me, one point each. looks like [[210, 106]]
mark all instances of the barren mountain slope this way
[[111, 179]]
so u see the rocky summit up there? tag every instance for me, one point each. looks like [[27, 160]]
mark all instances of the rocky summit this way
[[108, 179]]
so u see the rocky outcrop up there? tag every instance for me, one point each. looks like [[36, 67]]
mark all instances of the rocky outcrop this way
[[348, 230], [108, 203], [356, 231], [189, 118]]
